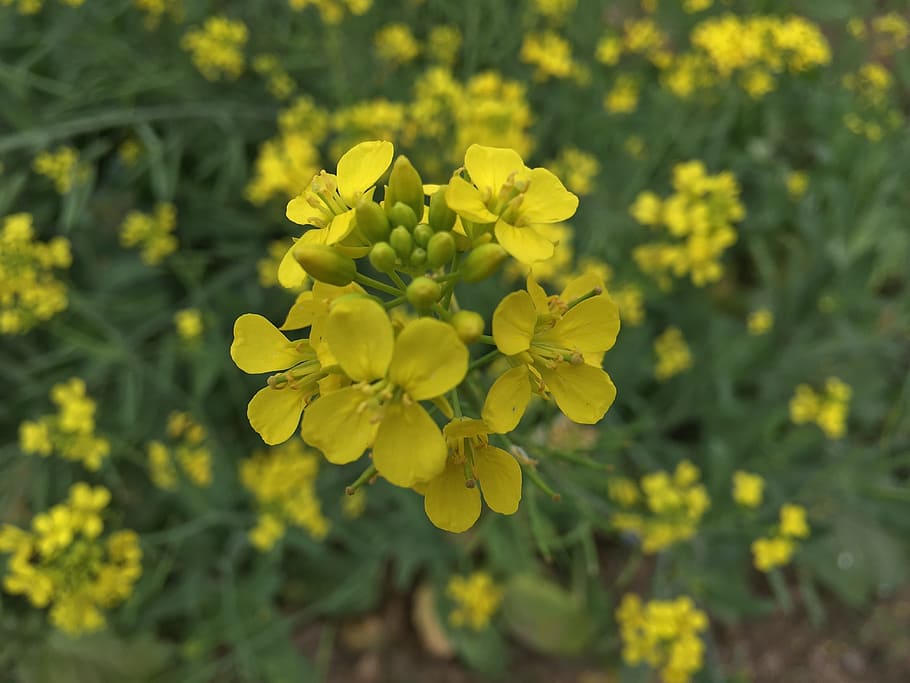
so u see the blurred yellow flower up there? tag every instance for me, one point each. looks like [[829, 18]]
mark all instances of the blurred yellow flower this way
[[760, 321], [476, 598], [748, 489], [395, 44], [217, 48], [673, 354], [188, 322]]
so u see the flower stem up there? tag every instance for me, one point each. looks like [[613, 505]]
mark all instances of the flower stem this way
[[367, 281], [365, 476]]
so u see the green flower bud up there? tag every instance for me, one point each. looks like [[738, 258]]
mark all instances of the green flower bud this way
[[423, 292], [418, 257], [405, 186], [441, 218], [401, 242], [402, 214], [482, 262], [422, 234], [383, 257], [440, 249], [372, 221], [468, 325], [325, 264]]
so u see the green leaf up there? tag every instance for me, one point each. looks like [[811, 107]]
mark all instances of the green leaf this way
[[546, 617]]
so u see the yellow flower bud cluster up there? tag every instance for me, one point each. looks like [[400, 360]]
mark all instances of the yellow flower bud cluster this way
[[29, 292], [622, 98], [551, 56], [152, 232], [279, 82], [64, 562], [186, 447], [155, 11], [888, 33], [70, 433], [555, 10], [188, 322], [62, 167], [217, 48], [396, 44], [443, 44], [639, 37], [579, 168], [333, 11], [776, 550], [664, 634], [673, 354], [476, 598], [362, 379], [669, 507], [748, 489], [283, 482], [872, 86], [828, 410], [699, 215], [760, 321], [28, 7]]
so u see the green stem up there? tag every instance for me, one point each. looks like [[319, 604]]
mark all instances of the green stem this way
[[392, 303], [483, 360], [364, 477], [367, 281], [396, 278], [486, 339], [456, 403]]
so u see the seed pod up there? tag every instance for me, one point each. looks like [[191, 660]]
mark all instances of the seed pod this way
[[372, 221], [441, 217], [423, 292], [468, 325], [401, 242], [326, 264], [482, 262], [440, 249], [383, 257]]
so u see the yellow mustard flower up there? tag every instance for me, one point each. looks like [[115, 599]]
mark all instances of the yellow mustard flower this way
[[217, 48], [443, 43], [793, 522], [311, 309], [452, 498], [673, 354], [771, 552], [62, 167], [152, 232], [556, 345], [392, 376], [797, 184], [748, 489], [188, 322], [511, 197], [476, 598], [760, 321], [396, 44]]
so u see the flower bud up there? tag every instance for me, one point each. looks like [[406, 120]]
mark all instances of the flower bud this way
[[440, 249], [422, 234], [372, 221], [418, 257], [325, 264], [402, 214], [405, 186], [383, 257], [401, 242], [468, 325], [482, 262], [423, 292], [441, 218]]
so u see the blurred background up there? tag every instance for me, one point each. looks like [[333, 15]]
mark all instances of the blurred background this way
[[741, 514]]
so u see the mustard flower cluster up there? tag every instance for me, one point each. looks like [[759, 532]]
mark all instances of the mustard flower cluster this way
[[279, 82], [579, 168], [333, 11], [443, 44], [217, 48], [642, 37], [872, 85], [551, 56], [699, 215], [748, 489], [828, 410], [155, 10], [283, 482], [62, 167], [396, 44], [669, 508], [888, 33], [752, 50], [70, 432], [673, 354], [189, 324], [186, 448], [29, 292], [64, 562], [622, 98], [151, 232], [776, 550], [476, 599], [760, 321], [664, 634], [28, 7], [367, 378]]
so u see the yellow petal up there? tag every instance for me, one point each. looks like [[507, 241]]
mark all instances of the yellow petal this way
[[465, 427], [409, 447], [582, 392], [580, 286], [589, 327], [513, 323], [303, 312], [490, 167], [340, 227], [259, 346], [299, 209], [429, 359], [525, 243], [466, 200], [541, 300], [507, 400], [335, 425], [360, 337], [500, 479], [361, 166], [275, 413], [547, 200], [449, 504], [290, 274]]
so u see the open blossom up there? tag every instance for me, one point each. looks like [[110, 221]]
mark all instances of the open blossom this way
[[512, 198], [555, 345]]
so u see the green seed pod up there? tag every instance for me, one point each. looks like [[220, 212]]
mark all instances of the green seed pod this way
[[402, 214], [418, 257], [405, 186], [482, 262], [401, 242], [468, 325], [441, 218], [422, 234], [440, 249], [383, 257], [325, 264], [423, 292], [372, 221]]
